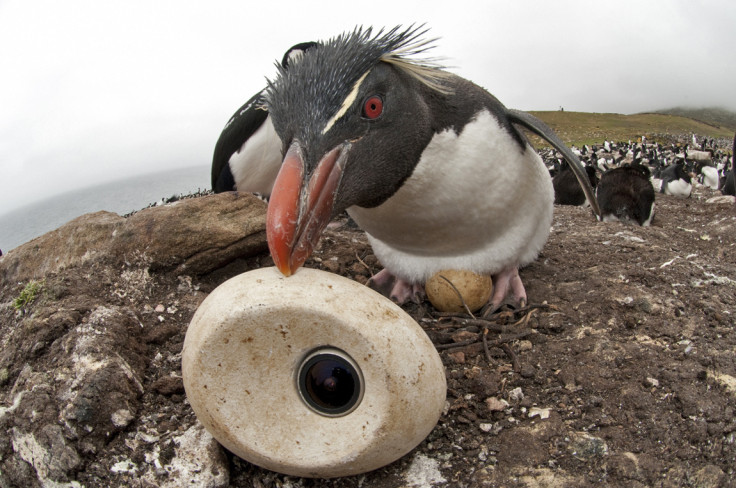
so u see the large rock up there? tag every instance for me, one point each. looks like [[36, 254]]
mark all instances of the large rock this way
[[192, 236], [71, 397], [81, 366]]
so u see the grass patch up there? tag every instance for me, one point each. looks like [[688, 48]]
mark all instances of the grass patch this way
[[28, 296], [578, 128]]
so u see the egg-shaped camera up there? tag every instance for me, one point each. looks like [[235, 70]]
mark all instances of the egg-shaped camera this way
[[311, 375]]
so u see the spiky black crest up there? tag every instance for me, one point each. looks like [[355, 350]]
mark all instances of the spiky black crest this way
[[322, 80]]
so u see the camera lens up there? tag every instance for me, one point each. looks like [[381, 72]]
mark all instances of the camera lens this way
[[330, 382]]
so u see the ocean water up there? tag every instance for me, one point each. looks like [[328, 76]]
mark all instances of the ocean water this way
[[122, 197]]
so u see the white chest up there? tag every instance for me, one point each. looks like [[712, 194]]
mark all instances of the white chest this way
[[710, 177], [475, 200], [678, 188]]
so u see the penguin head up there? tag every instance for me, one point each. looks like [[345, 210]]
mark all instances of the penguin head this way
[[353, 116], [644, 171], [592, 175]]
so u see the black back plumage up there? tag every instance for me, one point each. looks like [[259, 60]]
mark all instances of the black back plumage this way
[[626, 194], [567, 189], [241, 126]]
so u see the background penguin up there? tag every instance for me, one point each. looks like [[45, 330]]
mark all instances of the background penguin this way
[[248, 152], [626, 194], [567, 188], [428, 164], [676, 181], [709, 176], [729, 187]]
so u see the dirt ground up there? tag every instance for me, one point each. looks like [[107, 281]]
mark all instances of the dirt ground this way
[[622, 373], [633, 361]]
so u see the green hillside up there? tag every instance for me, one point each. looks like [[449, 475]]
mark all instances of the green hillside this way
[[580, 128], [711, 115]]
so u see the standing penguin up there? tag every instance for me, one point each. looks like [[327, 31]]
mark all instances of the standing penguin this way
[[248, 153], [428, 164]]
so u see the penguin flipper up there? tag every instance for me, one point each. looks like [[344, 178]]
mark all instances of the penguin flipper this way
[[542, 130]]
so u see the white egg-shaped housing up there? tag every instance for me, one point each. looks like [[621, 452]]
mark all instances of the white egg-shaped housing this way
[[252, 360]]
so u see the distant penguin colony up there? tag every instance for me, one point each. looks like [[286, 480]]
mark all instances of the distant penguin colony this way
[[363, 123], [674, 170]]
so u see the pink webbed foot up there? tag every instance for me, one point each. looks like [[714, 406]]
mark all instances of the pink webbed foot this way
[[395, 288], [507, 282]]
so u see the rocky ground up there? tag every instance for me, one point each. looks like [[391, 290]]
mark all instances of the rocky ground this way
[[622, 374]]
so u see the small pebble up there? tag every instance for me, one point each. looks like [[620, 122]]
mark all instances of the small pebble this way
[[542, 413], [121, 418], [528, 371], [516, 394], [496, 405], [458, 357]]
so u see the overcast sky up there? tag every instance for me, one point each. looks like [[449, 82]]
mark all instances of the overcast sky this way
[[93, 91]]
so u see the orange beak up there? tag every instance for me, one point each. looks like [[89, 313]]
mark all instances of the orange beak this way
[[300, 209]]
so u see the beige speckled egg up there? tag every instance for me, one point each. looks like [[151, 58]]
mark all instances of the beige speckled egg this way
[[475, 289]]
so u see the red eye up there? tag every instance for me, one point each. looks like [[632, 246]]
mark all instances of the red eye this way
[[372, 107]]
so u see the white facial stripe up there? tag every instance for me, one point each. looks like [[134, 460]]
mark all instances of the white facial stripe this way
[[345, 104]]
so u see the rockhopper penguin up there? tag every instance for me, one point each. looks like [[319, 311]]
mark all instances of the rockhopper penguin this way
[[428, 164], [729, 188], [626, 194], [248, 153], [676, 180]]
